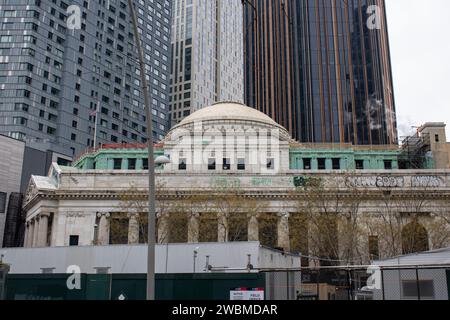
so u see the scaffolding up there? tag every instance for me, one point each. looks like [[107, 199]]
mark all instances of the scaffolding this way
[[416, 152]]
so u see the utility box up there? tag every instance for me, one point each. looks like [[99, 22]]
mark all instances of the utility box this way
[[4, 269]]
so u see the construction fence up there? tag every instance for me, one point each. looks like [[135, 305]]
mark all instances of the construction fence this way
[[359, 283], [324, 283]]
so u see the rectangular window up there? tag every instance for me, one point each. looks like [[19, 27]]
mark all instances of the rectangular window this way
[[211, 164], [145, 164], [241, 164], [436, 138], [52, 117], [306, 164], [336, 164], [182, 164], [9, 13], [226, 164], [359, 164], [20, 121], [6, 39], [117, 164], [131, 164], [388, 164], [270, 164], [21, 107], [73, 240], [322, 163]]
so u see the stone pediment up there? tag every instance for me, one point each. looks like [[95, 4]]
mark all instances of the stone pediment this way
[[36, 184], [31, 192]]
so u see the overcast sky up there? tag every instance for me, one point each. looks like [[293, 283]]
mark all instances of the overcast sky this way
[[420, 52]]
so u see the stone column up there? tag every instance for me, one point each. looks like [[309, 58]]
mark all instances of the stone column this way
[[222, 227], [283, 231], [27, 230], [163, 228], [193, 228], [133, 228], [43, 229], [35, 232], [253, 228], [103, 229], [30, 234]]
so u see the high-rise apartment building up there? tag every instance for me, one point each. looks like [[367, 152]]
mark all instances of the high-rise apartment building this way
[[207, 55], [61, 61], [321, 68]]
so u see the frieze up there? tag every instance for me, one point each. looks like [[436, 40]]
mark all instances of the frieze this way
[[390, 182], [225, 183], [427, 182], [75, 214], [395, 182], [375, 182], [262, 182]]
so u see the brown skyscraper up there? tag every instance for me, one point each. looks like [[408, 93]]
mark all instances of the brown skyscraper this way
[[321, 68]]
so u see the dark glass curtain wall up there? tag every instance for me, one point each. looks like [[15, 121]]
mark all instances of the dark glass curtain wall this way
[[318, 69]]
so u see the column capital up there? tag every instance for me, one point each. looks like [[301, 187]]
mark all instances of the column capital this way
[[105, 214], [283, 214], [195, 214], [44, 214], [161, 215], [133, 215], [253, 215]]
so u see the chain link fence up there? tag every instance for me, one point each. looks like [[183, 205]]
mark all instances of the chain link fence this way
[[359, 283]]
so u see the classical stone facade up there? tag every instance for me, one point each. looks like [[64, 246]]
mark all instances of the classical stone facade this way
[[82, 203], [224, 199]]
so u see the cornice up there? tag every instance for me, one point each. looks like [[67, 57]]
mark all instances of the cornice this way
[[377, 195]]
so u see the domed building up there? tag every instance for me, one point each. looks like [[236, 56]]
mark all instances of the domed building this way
[[228, 137], [236, 175]]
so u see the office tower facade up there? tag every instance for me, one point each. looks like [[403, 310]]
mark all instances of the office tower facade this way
[[321, 68], [61, 61], [207, 55]]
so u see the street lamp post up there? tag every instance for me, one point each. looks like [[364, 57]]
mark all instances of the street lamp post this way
[[151, 163]]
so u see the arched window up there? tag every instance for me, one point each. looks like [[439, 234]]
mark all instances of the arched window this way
[[414, 238]]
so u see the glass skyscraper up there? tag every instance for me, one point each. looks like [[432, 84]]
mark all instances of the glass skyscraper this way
[[207, 55], [321, 68], [54, 75]]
